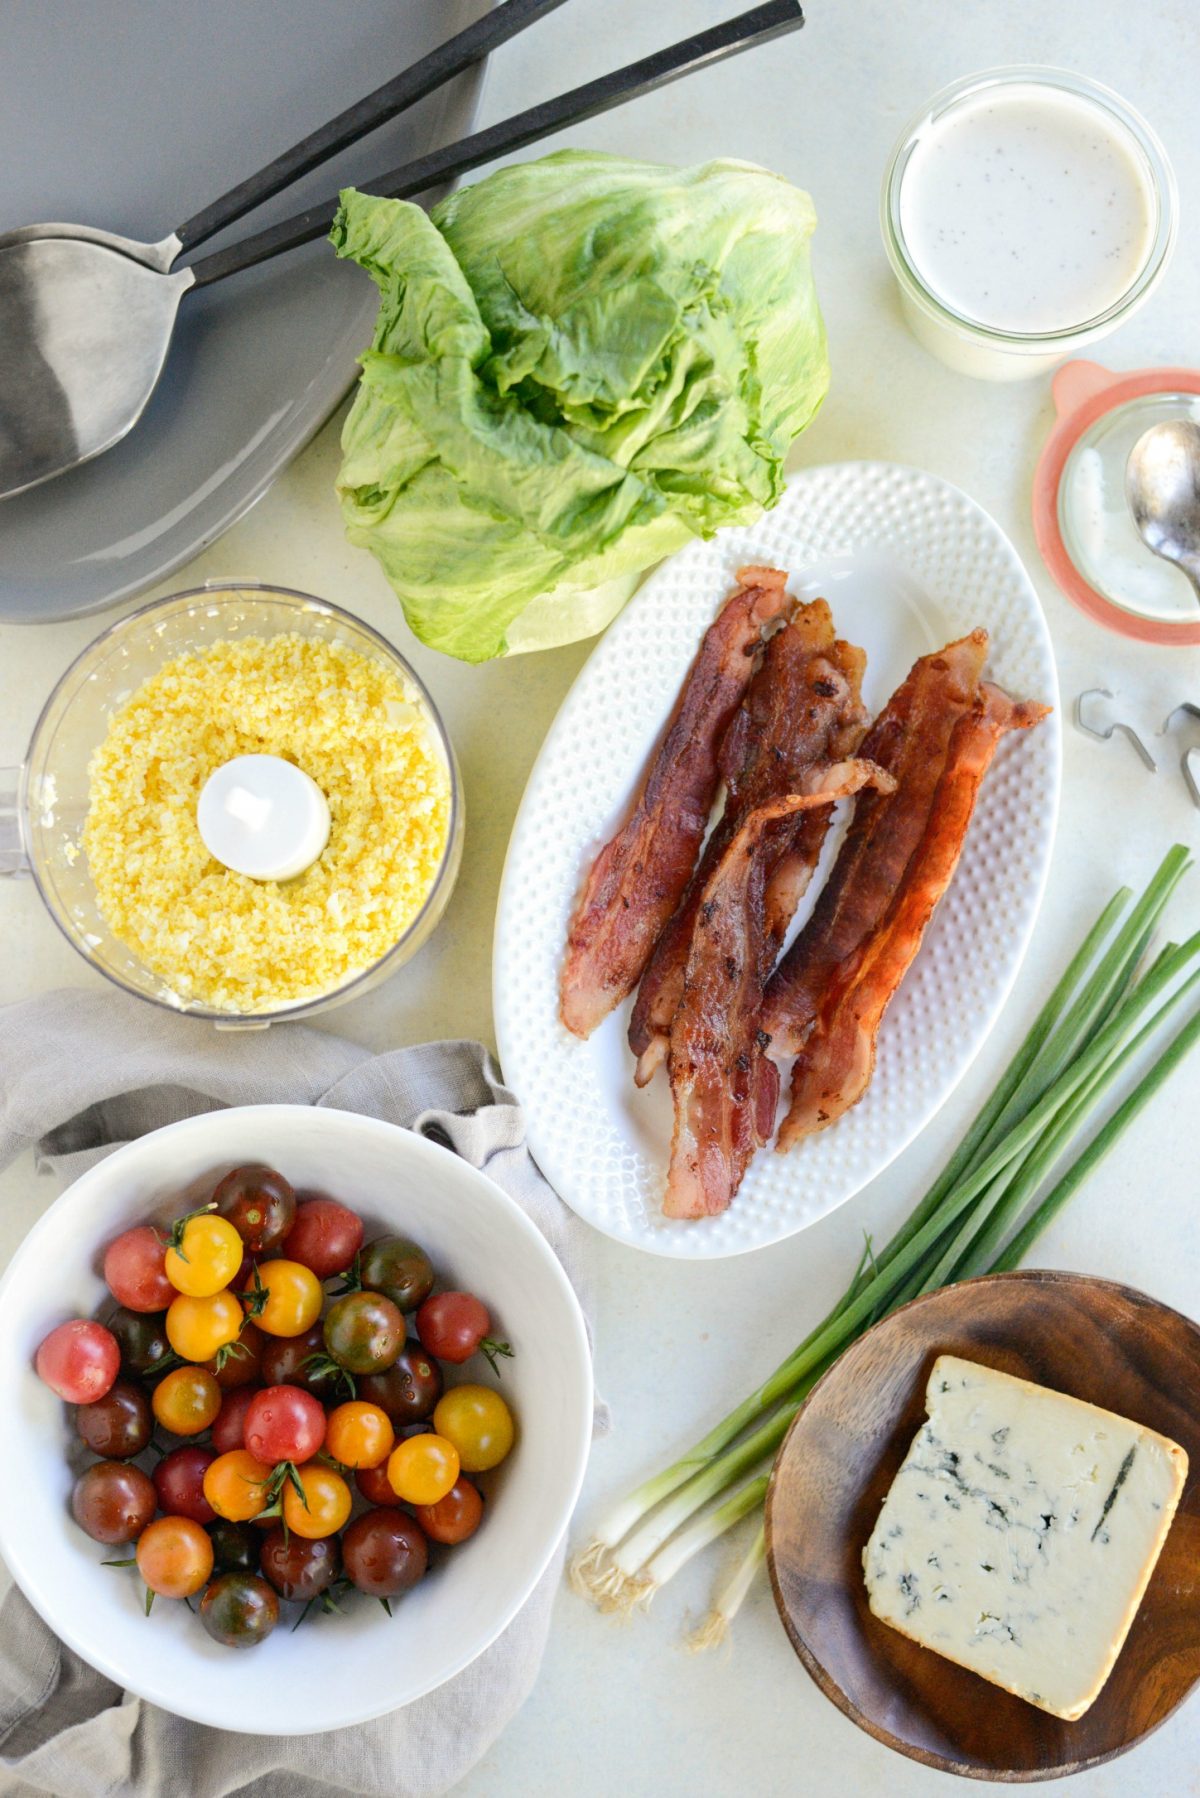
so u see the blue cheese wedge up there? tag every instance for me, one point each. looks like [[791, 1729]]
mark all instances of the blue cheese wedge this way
[[1020, 1533]]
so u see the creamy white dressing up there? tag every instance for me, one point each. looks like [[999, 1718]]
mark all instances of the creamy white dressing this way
[[1027, 209]]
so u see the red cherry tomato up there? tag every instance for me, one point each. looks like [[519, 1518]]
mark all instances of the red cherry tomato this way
[[375, 1486], [284, 1424], [240, 1363], [453, 1518], [326, 1236], [134, 1272], [79, 1360], [384, 1553], [455, 1325], [113, 1501], [179, 1482], [229, 1425]]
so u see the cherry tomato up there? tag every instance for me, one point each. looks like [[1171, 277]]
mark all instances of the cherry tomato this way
[[207, 1257], [384, 1553], [454, 1517], [479, 1424], [235, 1547], [229, 1425], [422, 1469], [284, 1424], [134, 1271], [455, 1325], [118, 1425], [235, 1485], [375, 1486], [239, 1610], [284, 1358], [364, 1332], [259, 1204], [179, 1482], [299, 1568], [239, 1363], [326, 1236], [142, 1340], [409, 1389], [284, 1298], [359, 1434], [198, 1327], [113, 1501], [186, 1401], [79, 1360], [398, 1268], [325, 1505], [174, 1557]]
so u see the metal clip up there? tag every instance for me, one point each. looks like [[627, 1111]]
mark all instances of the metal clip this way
[[1104, 736], [1185, 760]]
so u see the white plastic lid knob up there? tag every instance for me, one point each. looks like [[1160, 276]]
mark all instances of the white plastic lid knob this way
[[262, 816]]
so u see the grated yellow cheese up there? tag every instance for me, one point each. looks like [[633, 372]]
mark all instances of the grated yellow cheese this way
[[221, 939]]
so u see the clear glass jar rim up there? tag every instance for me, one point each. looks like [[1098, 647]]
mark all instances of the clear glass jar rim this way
[[1162, 178]]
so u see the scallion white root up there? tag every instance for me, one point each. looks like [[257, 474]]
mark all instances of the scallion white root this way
[[714, 1630]]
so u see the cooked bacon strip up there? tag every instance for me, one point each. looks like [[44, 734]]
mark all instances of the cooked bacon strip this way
[[802, 710], [910, 738], [724, 1088], [835, 1066], [638, 877]]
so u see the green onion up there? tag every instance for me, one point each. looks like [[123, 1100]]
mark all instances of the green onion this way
[[1100, 1017]]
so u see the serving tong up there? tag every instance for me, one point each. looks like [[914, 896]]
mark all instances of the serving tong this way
[[86, 316], [1105, 734]]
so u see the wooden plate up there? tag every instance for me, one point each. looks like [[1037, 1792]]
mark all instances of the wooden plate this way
[[1090, 1338]]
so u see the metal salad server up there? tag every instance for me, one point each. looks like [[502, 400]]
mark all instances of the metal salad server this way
[[86, 317], [1162, 486]]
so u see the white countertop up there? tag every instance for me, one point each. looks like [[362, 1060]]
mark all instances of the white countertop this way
[[623, 1709]]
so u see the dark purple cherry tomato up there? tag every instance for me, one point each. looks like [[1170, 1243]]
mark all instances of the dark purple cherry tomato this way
[[284, 1423], [260, 1205], [235, 1546], [326, 1236], [384, 1552], [453, 1518], [239, 1610], [375, 1486], [80, 1360], [142, 1340], [283, 1363], [300, 1568], [399, 1269], [179, 1482], [364, 1332], [240, 1363], [407, 1390], [117, 1426], [134, 1271], [113, 1501], [455, 1325], [229, 1425]]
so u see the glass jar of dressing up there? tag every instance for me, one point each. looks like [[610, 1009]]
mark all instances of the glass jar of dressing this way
[[1026, 212]]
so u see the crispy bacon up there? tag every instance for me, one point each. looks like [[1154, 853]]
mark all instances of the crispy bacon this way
[[724, 1088], [835, 1063], [801, 711], [637, 879]]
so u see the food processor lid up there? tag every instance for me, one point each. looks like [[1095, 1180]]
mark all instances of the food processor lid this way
[[1087, 400]]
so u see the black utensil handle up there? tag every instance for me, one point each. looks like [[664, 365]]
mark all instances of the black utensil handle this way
[[769, 20], [441, 65]]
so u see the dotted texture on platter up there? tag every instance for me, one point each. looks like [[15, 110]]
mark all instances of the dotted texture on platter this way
[[601, 1143]]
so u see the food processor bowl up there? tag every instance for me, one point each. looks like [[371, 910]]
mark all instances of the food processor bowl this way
[[44, 803]]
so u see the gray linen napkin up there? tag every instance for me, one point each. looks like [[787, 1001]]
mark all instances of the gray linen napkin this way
[[81, 1073]]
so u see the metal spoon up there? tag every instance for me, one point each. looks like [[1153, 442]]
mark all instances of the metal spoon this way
[[86, 317], [1162, 485]]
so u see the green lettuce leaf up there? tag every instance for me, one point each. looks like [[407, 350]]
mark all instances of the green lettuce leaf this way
[[579, 364]]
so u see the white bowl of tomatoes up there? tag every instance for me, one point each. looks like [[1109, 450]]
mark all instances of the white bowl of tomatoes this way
[[294, 1381]]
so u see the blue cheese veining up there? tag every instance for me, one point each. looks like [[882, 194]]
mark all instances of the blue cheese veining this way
[[1020, 1533]]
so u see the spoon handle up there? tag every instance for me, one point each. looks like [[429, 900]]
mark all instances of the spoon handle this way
[[768, 20], [442, 64]]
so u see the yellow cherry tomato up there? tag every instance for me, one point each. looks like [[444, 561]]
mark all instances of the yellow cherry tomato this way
[[174, 1556], [209, 1254], [186, 1401], [284, 1298], [325, 1505], [479, 1424], [235, 1485], [359, 1434], [422, 1469], [197, 1328]]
